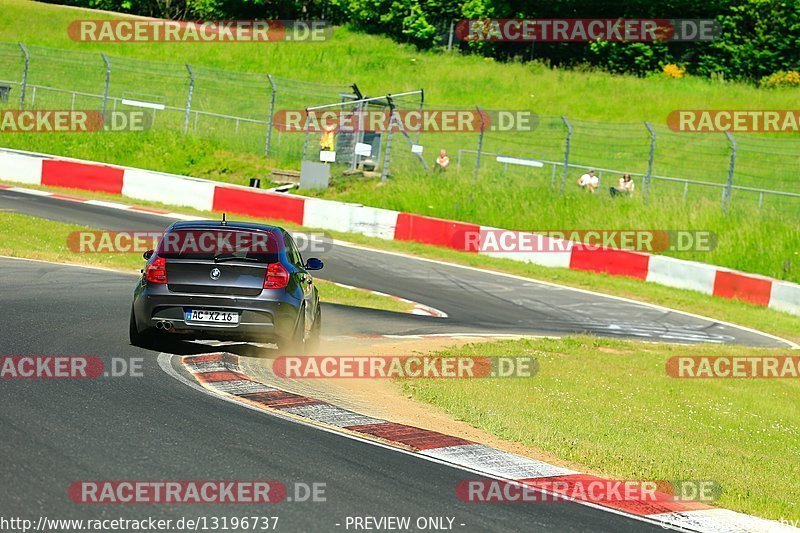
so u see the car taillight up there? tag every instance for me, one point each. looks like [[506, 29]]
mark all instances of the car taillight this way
[[156, 271], [277, 276]]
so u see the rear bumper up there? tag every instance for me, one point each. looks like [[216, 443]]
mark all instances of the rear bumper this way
[[267, 317]]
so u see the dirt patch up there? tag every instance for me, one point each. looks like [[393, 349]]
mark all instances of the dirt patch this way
[[384, 398]]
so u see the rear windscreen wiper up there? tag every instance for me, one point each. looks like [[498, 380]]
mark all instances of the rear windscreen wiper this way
[[227, 257]]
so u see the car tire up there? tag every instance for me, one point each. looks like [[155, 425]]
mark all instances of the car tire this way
[[296, 344], [141, 339], [312, 344]]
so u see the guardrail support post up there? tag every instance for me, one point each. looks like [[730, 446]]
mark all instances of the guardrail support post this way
[[189, 94], [108, 81], [649, 160], [27, 58], [726, 198], [566, 153], [273, 90]]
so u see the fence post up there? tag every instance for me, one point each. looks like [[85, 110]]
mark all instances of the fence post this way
[[566, 153], [480, 148], [305, 137], [649, 160], [386, 156], [726, 198], [421, 108], [450, 36], [24, 75], [108, 80], [357, 135], [273, 90], [189, 94]]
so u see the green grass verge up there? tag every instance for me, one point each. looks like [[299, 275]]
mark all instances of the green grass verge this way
[[34, 238], [764, 242], [446, 78], [734, 311], [609, 406]]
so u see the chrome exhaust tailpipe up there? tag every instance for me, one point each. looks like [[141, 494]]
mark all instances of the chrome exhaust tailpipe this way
[[159, 325], [167, 326]]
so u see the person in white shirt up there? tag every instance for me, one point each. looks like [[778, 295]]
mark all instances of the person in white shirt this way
[[442, 162], [626, 186], [589, 181]]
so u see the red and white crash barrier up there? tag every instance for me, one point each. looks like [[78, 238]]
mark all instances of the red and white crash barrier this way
[[42, 169]]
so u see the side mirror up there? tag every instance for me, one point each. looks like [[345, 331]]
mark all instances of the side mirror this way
[[314, 264], [148, 254]]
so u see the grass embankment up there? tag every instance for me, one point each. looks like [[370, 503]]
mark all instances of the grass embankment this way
[[35, 238], [734, 311], [609, 406], [762, 241], [767, 243]]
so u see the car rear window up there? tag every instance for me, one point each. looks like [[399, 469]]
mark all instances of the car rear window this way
[[208, 244]]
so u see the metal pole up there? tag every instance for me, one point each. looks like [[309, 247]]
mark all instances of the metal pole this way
[[371, 99], [480, 149], [450, 38], [189, 94], [726, 198], [392, 117], [273, 90], [649, 161], [421, 107], [566, 153], [24, 75], [305, 138], [357, 136], [108, 81]]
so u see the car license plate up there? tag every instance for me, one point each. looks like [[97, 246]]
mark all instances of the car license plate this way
[[217, 317]]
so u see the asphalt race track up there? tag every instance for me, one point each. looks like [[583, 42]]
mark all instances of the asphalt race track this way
[[56, 432], [152, 427], [475, 302]]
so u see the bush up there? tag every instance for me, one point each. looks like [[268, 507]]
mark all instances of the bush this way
[[782, 78]]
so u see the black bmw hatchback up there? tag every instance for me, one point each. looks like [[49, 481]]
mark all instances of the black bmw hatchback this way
[[227, 281]]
